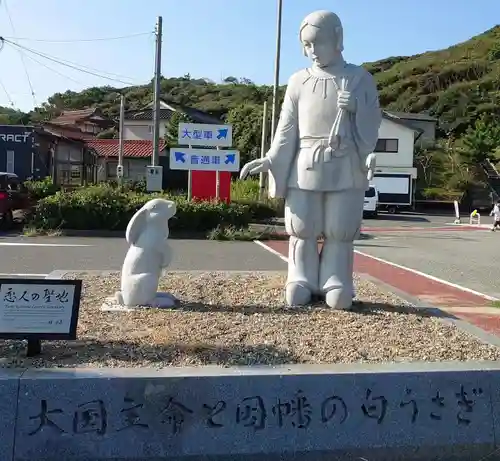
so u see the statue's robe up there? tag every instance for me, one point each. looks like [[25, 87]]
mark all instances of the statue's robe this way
[[298, 152]]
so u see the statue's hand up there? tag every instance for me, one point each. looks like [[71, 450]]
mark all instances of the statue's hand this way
[[255, 166], [345, 100], [371, 163]]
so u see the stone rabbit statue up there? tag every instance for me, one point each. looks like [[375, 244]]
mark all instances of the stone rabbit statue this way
[[149, 253]]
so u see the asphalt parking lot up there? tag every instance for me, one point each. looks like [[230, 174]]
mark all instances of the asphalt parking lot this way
[[465, 257], [37, 256]]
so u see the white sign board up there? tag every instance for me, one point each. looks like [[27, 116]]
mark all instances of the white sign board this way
[[204, 159], [154, 178], [38, 308], [202, 134]]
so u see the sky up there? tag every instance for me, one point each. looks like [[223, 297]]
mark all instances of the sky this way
[[206, 38]]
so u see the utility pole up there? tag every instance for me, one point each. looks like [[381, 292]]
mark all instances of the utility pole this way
[[119, 168], [155, 160], [274, 115], [262, 176]]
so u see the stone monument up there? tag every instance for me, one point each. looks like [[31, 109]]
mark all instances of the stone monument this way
[[149, 253], [320, 161]]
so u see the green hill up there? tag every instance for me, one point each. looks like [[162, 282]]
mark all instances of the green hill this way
[[459, 85], [456, 85]]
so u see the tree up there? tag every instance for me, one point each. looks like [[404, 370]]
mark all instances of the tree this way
[[481, 141], [231, 79], [246, 81], [247, 128], [172, 134], [110, 133]]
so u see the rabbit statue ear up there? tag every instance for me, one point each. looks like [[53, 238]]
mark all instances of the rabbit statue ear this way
[[136, 226], [171, 209]]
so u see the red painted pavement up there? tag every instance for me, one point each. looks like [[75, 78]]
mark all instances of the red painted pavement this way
[[422, 229], [489, 323], [426, 290]]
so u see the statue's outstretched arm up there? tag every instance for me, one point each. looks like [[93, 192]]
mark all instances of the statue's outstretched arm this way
[[285, 141]]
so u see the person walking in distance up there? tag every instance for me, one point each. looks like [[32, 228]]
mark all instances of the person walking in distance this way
[[496, 216]]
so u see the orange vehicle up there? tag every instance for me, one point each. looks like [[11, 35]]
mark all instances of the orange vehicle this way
[[13, 196]]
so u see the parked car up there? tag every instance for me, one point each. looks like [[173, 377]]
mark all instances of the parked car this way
[[370, 207], [13, 196]]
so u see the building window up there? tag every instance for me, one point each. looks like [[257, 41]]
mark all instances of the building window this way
[[387, 145], [150, 129], [10, 162]]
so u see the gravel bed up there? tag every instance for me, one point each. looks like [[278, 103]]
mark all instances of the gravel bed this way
[[240, 319]]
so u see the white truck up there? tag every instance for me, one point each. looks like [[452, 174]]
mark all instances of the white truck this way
[[370, 207], [395, 191]]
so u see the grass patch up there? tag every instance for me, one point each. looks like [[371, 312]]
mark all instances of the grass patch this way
[[230, 233], [34, 232]]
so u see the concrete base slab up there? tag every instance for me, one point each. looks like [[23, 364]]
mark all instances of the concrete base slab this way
[[413, 411]]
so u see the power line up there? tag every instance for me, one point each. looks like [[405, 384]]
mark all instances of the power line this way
[[20, 54], [53, 70], [11, 102], [71, 65], [64, 61], [98, 39]]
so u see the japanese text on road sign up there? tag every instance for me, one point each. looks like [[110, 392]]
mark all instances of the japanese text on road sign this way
[[204, 159], [201, 134]]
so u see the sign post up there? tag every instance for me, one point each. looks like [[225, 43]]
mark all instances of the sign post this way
[[217, 184], [190, 183], [192, 159], [38, 309]]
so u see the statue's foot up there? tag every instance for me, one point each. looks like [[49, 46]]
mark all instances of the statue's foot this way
[[164, 301], [338, 298], [119, 298], [297, 295]]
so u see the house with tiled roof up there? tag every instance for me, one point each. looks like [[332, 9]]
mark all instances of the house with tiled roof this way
[[423, 123], [136, 157], [90, 121], [38, 152], [138, 124]]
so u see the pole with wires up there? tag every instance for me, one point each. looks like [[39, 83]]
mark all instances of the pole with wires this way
[[119, 168], [157, 89], [274, 115]]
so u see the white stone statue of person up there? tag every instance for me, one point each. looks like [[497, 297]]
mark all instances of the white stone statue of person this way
[[320, 161]]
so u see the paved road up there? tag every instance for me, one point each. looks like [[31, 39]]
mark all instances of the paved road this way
[[41, 255], [468, 258], [408, 220]]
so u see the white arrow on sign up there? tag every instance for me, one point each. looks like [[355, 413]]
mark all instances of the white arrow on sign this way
[[204, 134], [204, 159]]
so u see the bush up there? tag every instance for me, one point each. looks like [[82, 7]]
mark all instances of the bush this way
[[246, 192], [104, 207], [128, 185], [42, 188]]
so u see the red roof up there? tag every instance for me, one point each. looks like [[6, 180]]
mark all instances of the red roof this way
[[131, 148]]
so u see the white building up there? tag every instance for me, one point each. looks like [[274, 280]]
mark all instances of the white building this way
[[395, 173], [138, 124], [395, 147]]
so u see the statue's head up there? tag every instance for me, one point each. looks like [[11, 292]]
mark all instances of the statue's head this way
[[322, 38]]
